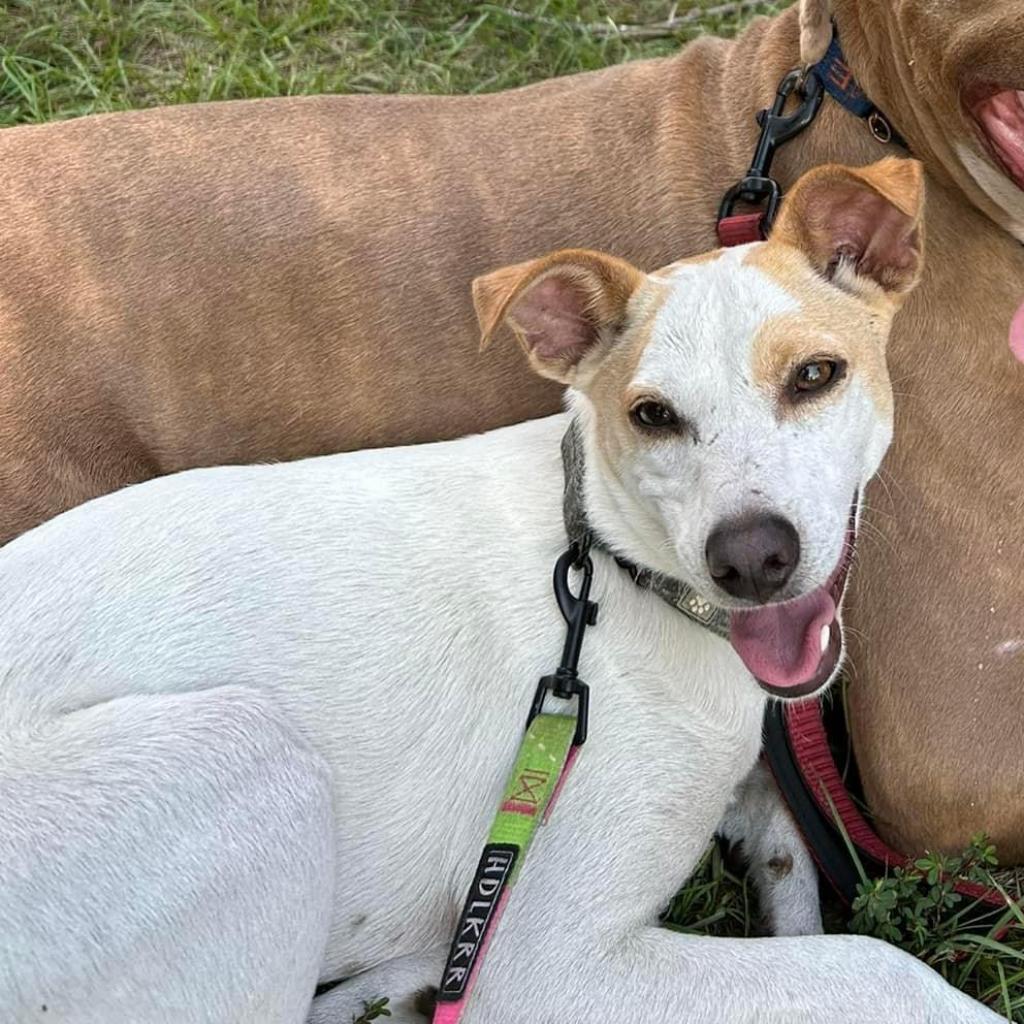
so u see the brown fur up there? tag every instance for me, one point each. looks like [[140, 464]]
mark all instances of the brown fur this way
[[272, 279]]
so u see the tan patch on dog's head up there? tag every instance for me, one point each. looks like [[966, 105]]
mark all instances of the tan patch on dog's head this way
[[609, 388], [848, 247], [786, 343], [832, 324]]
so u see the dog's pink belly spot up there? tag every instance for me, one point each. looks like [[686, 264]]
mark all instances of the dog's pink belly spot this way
[[1017, 334]]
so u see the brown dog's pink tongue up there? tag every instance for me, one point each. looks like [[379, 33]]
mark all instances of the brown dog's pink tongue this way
[[1017, 334], [1002, 117], [781, 644]]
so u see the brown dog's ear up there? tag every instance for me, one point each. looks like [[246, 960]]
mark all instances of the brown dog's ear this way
[[561, 308], [815, 30], [862, 227]]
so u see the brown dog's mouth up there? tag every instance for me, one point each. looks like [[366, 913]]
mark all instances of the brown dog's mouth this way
[[999, 114]]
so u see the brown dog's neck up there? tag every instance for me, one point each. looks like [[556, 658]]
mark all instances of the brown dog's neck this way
[[921, 63], [740, 74], [875, 51], [735, 79]]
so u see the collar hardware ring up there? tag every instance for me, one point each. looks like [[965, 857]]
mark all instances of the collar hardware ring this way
[[880, 127]]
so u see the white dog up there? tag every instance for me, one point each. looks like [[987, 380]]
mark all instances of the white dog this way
[[254, 721]]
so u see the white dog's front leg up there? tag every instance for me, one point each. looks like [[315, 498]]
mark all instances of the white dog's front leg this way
[[662, 977], [409, 983], [163, 859], [781, 866]]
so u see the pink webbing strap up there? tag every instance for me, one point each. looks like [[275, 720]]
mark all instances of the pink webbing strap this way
[[569, 762], [449, 1013], [808, 739]]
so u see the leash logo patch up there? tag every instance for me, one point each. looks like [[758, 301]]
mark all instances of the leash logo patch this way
[[477, 916], [529, 792]]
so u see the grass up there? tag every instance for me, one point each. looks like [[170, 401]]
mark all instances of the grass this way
[[65, 58]]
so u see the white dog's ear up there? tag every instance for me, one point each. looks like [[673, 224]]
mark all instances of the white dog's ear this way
[[861, 227], [815, 30], [562, 308]]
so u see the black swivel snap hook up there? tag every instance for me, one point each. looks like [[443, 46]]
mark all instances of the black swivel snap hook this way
[[579, 612], [777, 128]]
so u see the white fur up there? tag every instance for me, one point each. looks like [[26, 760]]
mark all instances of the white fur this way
[[662, 504], [786, 879], [997, 186], [254, 723]]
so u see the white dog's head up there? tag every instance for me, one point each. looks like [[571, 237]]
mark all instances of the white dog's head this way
[[734, 405]]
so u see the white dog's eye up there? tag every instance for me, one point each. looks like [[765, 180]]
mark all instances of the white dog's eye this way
[[653, 415], [816, 375]]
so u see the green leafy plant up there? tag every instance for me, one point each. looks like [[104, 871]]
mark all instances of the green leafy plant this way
[[976, 948], [373, 1010], [913, 907], [63, 58]]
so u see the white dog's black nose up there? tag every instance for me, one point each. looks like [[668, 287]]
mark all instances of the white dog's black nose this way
[[753, 557]]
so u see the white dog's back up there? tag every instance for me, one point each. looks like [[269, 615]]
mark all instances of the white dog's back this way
[[396, 607]]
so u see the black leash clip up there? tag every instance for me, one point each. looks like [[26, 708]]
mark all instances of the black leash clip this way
[[777, 127], [579, 612]]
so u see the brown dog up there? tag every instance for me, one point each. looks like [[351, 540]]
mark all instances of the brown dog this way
[[263, 280]]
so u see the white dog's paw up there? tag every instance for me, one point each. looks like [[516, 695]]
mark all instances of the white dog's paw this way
[[787, 886]]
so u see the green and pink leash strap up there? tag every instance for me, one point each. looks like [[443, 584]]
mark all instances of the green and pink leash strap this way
[[545, 758]]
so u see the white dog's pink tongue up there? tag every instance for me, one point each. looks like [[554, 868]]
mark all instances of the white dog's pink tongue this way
[[783, 644], [1017, 334]]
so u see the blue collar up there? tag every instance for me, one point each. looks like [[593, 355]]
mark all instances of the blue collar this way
[[839, 82]]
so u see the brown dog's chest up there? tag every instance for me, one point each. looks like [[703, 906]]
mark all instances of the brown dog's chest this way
[[937, 609]]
